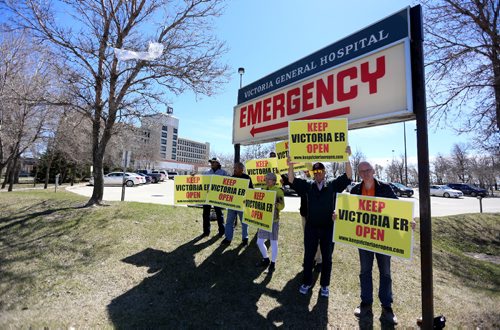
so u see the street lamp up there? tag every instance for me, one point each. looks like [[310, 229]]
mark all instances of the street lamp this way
[[241, 71]]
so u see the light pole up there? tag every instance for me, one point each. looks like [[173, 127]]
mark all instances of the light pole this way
[[241, 71], [406, 161]]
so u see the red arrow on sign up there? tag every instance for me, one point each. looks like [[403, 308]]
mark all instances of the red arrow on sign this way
[[322, 115]]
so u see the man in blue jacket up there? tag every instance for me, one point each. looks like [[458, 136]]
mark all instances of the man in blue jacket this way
[[320, 196]]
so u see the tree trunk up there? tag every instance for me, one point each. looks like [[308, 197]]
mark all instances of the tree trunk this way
[[12, 172], [73, 173], [47, 173], [7, 174], [98, 174], [36, 175]]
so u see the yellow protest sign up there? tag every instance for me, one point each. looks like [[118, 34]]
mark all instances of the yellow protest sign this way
[[227, 192], [191, 189], [282, 155], [381, 225], [318, 140], [259, 208], [258, 168]]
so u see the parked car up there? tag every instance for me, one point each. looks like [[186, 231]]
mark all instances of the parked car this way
[[351, 185], [445, 191], [171, 175], [468, 189], [401, 190], [162, 173], [146, 177], [116, 178], [155, 177]]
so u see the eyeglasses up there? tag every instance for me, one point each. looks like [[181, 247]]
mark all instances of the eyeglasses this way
[[368, 170]]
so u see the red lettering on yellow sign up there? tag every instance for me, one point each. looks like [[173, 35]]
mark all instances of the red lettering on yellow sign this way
[[317, 127], [257, 214], [318, 148], [373, 233], [226, 197], [193, 194], [228, 182], [193, 179], [261, 163], [258, 195], [372, 206]]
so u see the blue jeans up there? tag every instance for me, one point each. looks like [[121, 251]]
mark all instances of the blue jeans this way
[[365, 277], [229, 228]]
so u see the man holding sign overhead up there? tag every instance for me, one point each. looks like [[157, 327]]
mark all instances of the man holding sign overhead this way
[[320, 195]]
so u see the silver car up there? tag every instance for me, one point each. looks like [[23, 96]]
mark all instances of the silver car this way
[[445, 191], [116, 178]]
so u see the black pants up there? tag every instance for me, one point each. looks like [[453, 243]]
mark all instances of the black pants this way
[[313, 235], [206, 219]]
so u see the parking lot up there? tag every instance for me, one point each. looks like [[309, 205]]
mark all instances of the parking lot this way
[[163, 193]]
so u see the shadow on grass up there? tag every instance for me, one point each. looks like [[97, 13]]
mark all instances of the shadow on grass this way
[[24, 216], [225, 291]]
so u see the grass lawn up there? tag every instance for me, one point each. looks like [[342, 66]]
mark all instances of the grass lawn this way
[[145, 265]]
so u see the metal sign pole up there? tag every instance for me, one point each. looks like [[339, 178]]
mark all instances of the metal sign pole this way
[[125, 157], [420, 109]]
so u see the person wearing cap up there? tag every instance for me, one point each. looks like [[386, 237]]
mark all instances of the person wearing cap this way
[[232, 215], [263, 235], [320, 196], [215, 169]]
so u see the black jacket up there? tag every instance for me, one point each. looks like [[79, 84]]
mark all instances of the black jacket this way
[[381, 190], [320, 204]]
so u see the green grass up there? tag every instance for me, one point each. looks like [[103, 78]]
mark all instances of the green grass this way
[[144, 265]]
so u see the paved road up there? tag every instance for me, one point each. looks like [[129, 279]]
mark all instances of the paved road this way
[[162, 193]]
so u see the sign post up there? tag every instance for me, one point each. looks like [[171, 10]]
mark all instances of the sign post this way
[[374, 76]]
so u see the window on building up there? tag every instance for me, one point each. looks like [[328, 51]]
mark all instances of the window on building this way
[[175, 137], [163, 141], [175, 130], [174, 143], [163, 134], [164, 128], [163, 148]]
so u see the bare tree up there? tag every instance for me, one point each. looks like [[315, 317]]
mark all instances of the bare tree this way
[[441, 167], [463, 66], [357, 157], [184, 55], [256, 151], [25, 79], [460, 163], [378, 172]]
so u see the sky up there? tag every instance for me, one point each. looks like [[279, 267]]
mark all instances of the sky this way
[[264, 36]]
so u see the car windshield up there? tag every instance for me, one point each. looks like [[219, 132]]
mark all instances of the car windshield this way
[[399, 185], [445, 187]]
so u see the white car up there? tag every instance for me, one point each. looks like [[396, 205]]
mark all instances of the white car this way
[[445, 191], [350, 186], [116, 178]]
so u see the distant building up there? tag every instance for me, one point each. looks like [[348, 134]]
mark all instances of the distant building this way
[[165, 150]]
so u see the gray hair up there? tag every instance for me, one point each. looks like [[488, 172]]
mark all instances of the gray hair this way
[[271, 176]]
